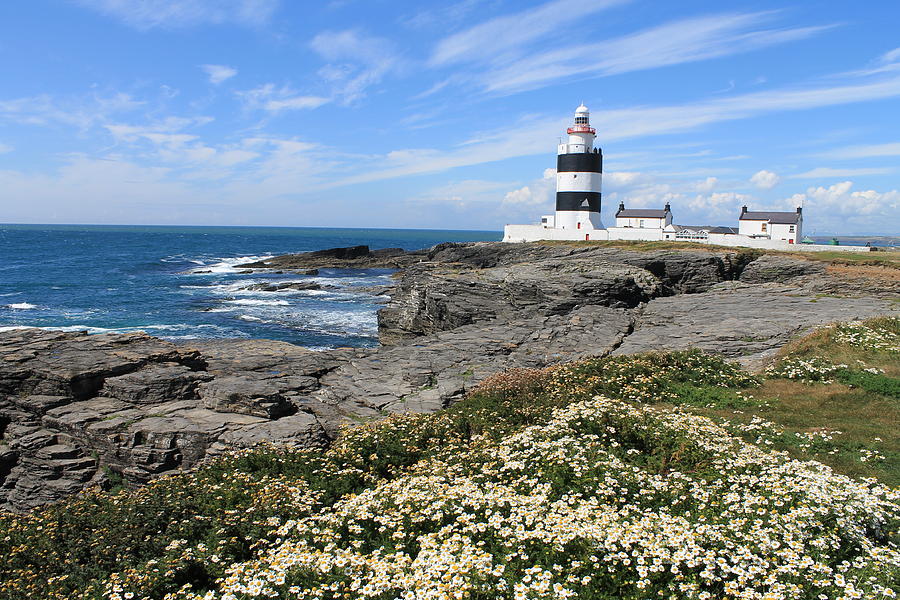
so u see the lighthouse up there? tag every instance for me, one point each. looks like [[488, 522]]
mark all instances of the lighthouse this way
[[579, 167]]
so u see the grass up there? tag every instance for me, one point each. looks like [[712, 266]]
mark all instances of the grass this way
[[186, 529], [863, 406]]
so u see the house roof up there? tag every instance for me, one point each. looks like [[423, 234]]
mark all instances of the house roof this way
[[771, 216], [653, 213]]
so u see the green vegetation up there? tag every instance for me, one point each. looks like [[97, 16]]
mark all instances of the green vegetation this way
[[654, 475]]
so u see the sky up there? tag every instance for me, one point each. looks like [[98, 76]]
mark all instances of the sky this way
[[445, 115]]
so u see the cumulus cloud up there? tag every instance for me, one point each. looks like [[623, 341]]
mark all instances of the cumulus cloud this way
[[147, 14], [537, 193], [841, 199], [765, 180], [707, 185], [218, 73]]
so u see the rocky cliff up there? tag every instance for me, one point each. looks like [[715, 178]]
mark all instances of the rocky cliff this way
[[79, 410]]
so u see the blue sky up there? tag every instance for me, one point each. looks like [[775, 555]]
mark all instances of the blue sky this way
[[446, 115]]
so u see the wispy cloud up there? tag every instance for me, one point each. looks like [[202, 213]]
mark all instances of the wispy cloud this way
[[864, 151], [4, 148], [273, 99], [82, 112], [494, 39], [443, 16], [510, 54], [218, 73], [148, 14], [679, 42], [830, 172], [355, 61], [532, 136]]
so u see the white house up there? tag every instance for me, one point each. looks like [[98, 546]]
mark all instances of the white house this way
[[772, 225], [643, 218]]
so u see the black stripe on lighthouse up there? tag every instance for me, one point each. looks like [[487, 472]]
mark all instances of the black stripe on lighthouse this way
[[580, 162], [578, 201]]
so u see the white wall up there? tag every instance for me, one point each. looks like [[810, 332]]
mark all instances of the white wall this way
[[752, 228], [782, 231], [578, 182], [578, 220], [649, 222], [635, 233], [533, 233]]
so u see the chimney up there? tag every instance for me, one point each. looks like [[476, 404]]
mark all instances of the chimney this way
[[668, 208], [621, 206], [799, 210], [743, 209]]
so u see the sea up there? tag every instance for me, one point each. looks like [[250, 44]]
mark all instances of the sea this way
[[181, 283]]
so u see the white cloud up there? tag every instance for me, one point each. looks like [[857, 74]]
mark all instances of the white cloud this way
[[4, 148], [706, 185], [864, 151], [465, 193], [218, 73], [82, 112], [493, 39], [765, 180], [357, 61], [688, 40], [147, 14], [825, 172], [840, 199], [504, 45], [539, 192], [268, 97]]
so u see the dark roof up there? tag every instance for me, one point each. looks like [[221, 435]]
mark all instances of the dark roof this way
[[771, 216], [642, 212]]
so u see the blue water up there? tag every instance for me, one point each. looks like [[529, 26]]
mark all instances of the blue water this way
[[128, 278]]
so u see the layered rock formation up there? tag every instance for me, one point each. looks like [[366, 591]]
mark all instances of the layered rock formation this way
[[77, 410]]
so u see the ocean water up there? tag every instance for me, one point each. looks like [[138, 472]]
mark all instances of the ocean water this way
[[128, 278]]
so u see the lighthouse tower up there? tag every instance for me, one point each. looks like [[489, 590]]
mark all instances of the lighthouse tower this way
[[579, 167]]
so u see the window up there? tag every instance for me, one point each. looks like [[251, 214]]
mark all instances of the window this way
[[763, 227], [641, 223], [791, 229]]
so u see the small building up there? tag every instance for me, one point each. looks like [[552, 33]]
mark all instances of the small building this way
[[773, 225], [695, 233], [644, 218]]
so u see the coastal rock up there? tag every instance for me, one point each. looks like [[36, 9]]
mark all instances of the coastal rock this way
[[770, 268], [358, 257], [74, 407], [739, 320], [285, 285]]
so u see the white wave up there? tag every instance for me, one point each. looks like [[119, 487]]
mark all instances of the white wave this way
[[250, 318], [21, 306], [16, 327], [227, 265], [255, 302], [10, 294]]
